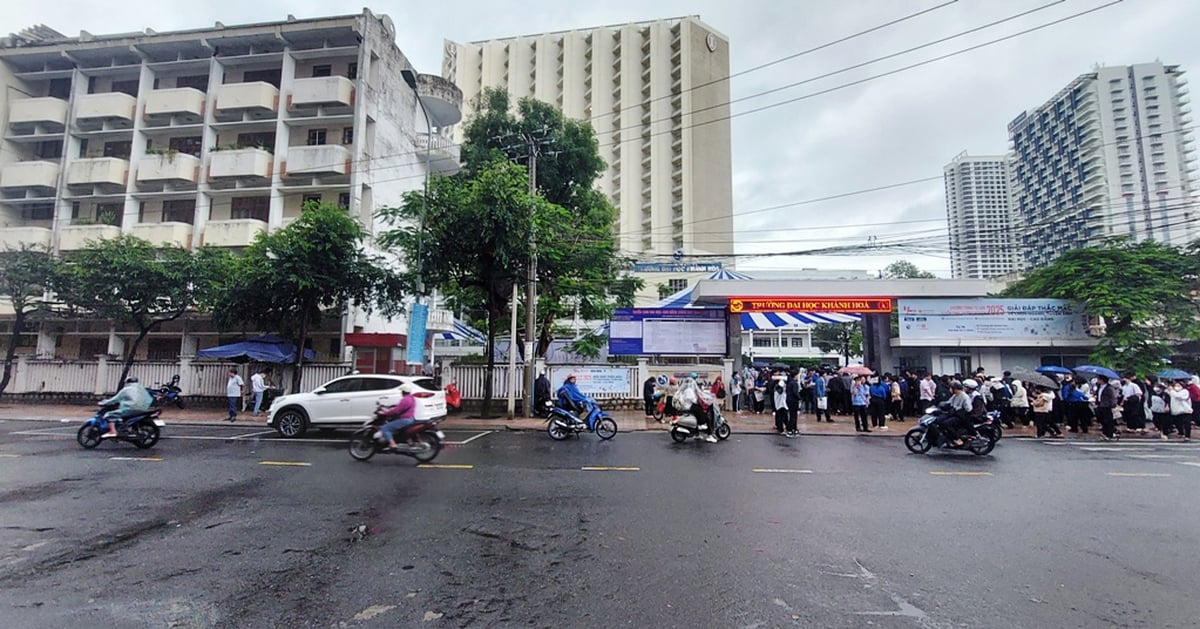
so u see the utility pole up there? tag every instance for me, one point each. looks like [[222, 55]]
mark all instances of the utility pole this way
[[531, 286]]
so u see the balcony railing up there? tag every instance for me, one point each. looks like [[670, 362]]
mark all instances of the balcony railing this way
[[187, 102], [318, 160], [29, 175], [75, 237], [166, 233], [13, 238], [326, 90], [98, 171], [247, 162], [116, 108], [169, 167], [444, 154], [238, 232], [256, 96], [29, 115]]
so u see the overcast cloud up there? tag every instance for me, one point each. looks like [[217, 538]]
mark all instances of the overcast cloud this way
[[895, 129]]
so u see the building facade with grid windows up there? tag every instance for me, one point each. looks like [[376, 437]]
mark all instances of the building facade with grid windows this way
[[983, 241]]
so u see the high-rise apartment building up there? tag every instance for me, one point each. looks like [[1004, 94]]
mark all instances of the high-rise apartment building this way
[[210, 137], [1110, 155], [657, 94], [983, 240]]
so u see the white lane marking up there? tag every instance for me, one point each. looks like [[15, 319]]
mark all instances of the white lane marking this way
[[1192, 463], [134, 458], [1139, 474], [285, 463], [609, 468], [961, 473], [373, 611], [253, 434], [1160, 456], [463, 443], [9, 456], [767, 470]]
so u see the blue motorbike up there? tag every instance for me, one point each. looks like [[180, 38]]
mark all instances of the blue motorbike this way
[[142, 430], [169, 393], [562, 423]]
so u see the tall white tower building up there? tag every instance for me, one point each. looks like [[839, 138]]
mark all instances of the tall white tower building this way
[[657, 94], [983, 242], [1110, 155]]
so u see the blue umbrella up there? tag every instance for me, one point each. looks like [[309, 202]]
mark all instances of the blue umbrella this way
[[1174, 374], [1052, 369], [1093, 370]]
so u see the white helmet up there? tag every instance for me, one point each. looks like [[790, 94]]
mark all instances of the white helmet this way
[[407, 388], [970, 383]]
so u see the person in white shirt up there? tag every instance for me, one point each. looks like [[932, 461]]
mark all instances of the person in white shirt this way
[[928, 392], [234, 387], [1020, 402], [1181, 409], [258, 386]]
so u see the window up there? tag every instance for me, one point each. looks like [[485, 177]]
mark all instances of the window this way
[[258, 208], [677, 285], [118, 149], [60, 88], [179, 211], [162, 349], [352, 70], [90, 348], [316, 137], [197, 81], [74, 210], [264, 140], [348, 135], [345, 385], [344, 200], [310, 198], [322, 70], [797, 341], [762, 341], [38, 212], [126, 87], [190, 145], [48, 150], [266, 76], [110, 213]]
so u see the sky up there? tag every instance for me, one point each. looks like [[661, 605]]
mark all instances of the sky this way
[[899, 128]]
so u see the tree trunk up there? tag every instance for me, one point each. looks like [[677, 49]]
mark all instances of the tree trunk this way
[[486, 409], [298, 361], [130, 355], [11, 352]]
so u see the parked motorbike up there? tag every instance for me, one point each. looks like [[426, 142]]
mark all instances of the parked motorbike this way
[[687, 425], [929, 433], [141, 430], [562, 423], [169, 393], [660, 405], [453, 398], [422, 440]]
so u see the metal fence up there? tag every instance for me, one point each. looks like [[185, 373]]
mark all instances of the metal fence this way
[[470, 382]]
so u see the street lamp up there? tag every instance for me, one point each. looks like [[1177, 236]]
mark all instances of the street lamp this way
[[419, 315]]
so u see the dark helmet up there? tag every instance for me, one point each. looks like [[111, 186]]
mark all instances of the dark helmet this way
[[131, 380]]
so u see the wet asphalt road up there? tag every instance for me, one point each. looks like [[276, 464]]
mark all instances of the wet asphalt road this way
[[229, 528]]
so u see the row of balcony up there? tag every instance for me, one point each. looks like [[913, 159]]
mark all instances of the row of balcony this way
[[229, 233], [49, 114], [246, 163]]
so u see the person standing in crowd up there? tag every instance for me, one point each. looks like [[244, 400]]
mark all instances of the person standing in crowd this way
[[1042, 405], [648, 389], [735, 392], [1019, 402], [234, 388], [808, 401], [878, 403], [778, 390], [835, 387], [1181, 409], [821, 395], [1106, 401], [927, 392], [1160, 410], [793, 394], [895, 398], [1078, 413], [760, 390], [718, 391], [1133, 404], [860, 395], [941, 390], [1193, 388], [258, 386], [848, 380]]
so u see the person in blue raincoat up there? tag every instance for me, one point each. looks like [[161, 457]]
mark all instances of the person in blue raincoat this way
[[571, 397]]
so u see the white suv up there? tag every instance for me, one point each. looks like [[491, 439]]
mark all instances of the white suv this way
[[351, 400]]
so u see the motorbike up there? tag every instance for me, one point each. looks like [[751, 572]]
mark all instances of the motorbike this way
[[991, 429], [562, 423], [660, 406], [142, 430], [687, 425], [929, 433], [453, 398], [166, 393], [422, 440]]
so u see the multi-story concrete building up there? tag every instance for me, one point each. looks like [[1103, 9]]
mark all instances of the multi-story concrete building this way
[[1110, 155], [657, 94], [983, 240], [210, 137]]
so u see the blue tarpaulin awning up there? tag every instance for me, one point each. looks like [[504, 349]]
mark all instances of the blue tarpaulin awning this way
[[268, 348]]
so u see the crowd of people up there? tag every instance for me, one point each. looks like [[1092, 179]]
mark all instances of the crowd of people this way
[[1144, 405]]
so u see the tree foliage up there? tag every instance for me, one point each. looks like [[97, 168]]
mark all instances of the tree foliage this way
[[844, 338], [286, 281], [903, 269], [129, 281], [1144, 292], [25, 276]]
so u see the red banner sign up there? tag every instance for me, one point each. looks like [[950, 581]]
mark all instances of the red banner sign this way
[[811, 304]]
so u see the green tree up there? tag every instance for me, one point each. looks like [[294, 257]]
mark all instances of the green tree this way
[[903, 269], [288, 280], [844, 338], [1143, 292], [132, 283], [472, 241], [25, 276]]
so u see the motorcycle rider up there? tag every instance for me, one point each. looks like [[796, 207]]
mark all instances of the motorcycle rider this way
[[403, 413], [691, 395], [571, 398], [133, 400], [966, 408]]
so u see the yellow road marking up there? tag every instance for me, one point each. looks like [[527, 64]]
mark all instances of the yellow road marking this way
[[134, 458], [1138, 474], [606, 468], [961, 473], [767, 470], [447, 466], [285, 463]]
